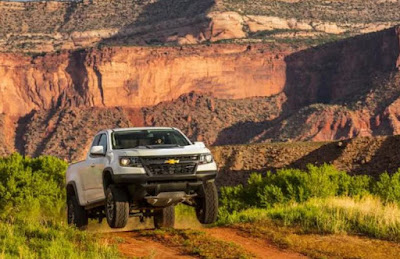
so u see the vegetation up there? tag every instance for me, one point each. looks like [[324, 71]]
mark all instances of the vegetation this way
[[289, 36], [319, 246], [288, 208], [365, 11], [32, 213], [321, 199]]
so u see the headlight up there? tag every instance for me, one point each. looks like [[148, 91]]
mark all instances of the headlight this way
[[130, 162], [206, 159]]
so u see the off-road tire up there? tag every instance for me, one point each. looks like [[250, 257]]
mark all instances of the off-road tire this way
[[117, 207], [164, 218], [76, 214], [207, 206]]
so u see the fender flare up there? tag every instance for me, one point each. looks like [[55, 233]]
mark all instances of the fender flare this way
[[73, 184], [105, 171]]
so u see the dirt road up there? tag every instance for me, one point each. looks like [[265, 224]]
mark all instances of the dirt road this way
[[259, 248], [133, 245]]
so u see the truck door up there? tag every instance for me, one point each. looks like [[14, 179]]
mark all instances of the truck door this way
[[93, 183]]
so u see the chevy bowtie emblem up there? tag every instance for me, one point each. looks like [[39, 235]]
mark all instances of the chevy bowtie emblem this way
[[172, 161]]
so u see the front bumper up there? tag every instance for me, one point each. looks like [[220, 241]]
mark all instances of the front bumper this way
[[142, 186], [144, 178]]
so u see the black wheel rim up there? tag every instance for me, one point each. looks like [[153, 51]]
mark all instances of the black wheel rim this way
[[110, 207]]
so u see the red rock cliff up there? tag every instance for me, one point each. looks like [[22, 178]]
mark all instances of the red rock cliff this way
[[137, 76], [335, 91]]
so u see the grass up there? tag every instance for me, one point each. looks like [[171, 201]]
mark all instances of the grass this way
[[28, 239], [320, 212], [316, 245], [32, 213], [334, 227], [367, 216], [295, 185]]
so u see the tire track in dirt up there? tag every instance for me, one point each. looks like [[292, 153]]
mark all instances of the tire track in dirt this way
[[259, 248], [133, 245]]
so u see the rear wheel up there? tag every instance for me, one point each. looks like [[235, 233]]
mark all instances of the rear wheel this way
[[165, 218], [207, 206], [117, 207], [77, 215]]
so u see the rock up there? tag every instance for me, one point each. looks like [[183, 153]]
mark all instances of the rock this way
[[226, 25]]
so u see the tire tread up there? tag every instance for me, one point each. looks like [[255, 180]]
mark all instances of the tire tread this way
[[121, 216], [210, 203], [165, 218], [81, 219]]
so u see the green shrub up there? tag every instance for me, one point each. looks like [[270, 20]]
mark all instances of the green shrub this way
[[388, 187], [32, 213], [359, 185], [24, 180], [293, 185], [320, 199]]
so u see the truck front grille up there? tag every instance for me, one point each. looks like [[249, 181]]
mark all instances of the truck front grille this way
[[172, 169], [160, 165]]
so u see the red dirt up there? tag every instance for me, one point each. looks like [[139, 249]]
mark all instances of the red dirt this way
[[260, 248], [134, 245]]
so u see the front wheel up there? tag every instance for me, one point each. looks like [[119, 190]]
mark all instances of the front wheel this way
[[164, 218], [117, 207], [207, 206], [76, 214]]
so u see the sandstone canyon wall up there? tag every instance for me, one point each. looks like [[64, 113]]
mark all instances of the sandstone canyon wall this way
[[225, 93], [137, 77], [144, 76], [220, 94]]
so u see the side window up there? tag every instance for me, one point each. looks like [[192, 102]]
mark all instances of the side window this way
[[95, 141], [103, 141]]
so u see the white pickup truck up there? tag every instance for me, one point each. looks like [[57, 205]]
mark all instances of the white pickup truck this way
[[142, 172]]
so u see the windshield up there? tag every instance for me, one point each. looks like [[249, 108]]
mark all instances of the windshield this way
[[148, 139]]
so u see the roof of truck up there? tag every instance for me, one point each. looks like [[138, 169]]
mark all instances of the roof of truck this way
[[141, 128]]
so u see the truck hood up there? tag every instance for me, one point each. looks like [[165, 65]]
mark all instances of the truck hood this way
[[178, 151]]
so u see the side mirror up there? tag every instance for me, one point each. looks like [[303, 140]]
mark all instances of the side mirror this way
[[97, 151], [199, 144]]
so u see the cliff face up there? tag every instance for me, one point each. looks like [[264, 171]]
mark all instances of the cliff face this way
[[336, 91], [7, 135], [137, 77], [142, 76], [218, 93]]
